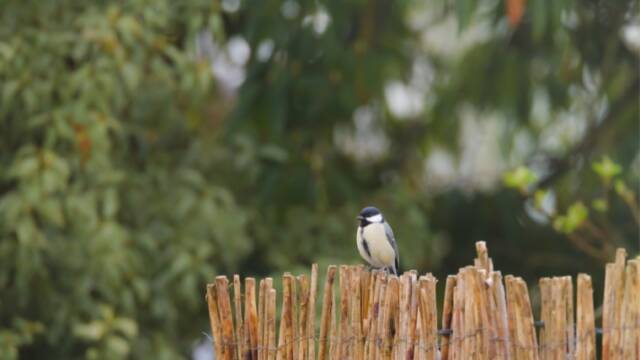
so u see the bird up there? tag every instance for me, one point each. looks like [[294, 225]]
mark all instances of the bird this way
[[375, 240]]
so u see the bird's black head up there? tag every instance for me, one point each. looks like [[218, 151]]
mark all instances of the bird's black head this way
[[370, 215]]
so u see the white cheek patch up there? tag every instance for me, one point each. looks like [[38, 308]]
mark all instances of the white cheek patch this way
[[375, 218]]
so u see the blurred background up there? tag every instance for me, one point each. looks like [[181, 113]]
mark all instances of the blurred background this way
[[148, 146]]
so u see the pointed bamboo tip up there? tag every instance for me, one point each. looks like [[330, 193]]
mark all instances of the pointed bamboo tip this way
[[621, 255]]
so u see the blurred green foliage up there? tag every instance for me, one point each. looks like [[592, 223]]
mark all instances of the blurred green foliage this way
[[130, 176]]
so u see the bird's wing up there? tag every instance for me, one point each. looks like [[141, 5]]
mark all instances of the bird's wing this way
[[392, 241]]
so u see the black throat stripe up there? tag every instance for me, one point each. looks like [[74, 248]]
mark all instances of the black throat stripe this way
[[364, 244]]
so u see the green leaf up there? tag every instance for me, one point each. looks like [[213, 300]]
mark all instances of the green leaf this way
[[576, 215], [623, 190], [600, 205], [606, 169], [520, 178], [94, 330], [117, 346], [538, 198], [127, 326]]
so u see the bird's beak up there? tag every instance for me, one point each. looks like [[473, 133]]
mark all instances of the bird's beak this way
[[360, 217]]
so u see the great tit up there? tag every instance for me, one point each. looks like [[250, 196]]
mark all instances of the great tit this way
[[375, 240]]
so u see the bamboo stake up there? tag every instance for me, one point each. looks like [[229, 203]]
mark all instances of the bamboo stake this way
[[559, 319], [372, 291], [546, 317], [224, 309], [483, 261], [268, 286], [282, 336], [333, 338], [502, 327], [457, 325], [261, 317], [287, 316], [251, 318], [404, 305], [470, 334], [237, 292], [303, 330], [355, 310], [387, 317], [295, 334], [373, 315], [586, 349], [366, 288], [569, 324], [344, 332], [447, 309], [413, 316], [428, 316], [327, 305], [614, 288], [312, 311], [484, 321], [271, 324], [630, 337], [379, 325], [214, 319], [521, 326]]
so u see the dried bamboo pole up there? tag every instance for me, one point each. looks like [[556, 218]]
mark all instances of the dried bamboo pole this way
[[312, 311], [552, 339], [333, 338], [612, 307], [261, 317], [281, 351], [270, 336], [586, 344], [559, 320], [268, 286], [237, 297], [404, 305], [471, 334], [366, 288], [483, 261], [390, 302], [224, 309], [293, 346], [287, 316], [630, 337], [569, 328], [372, 292], [456, 350], [372, 318], [447, 310], [485, 325], [344, 332], [413, 316], [355, 308], [501, 318], [545, 315], [379, 324], [327, 304], [428, 316], [521, 326], [303, 329], [214, 318], [251, 318]]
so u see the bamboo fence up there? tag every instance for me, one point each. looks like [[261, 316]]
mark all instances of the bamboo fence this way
[[373, 315]]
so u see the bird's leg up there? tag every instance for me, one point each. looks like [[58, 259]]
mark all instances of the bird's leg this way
[[370, 267]]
